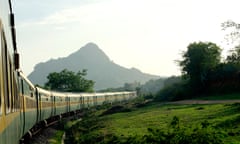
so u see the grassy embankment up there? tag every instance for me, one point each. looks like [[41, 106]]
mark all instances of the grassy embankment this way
[[157, 122]]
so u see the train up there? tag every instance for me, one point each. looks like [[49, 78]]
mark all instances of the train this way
[[26, 108]]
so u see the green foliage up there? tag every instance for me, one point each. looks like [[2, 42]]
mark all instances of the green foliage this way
[[69, 81], [176, 91], [234, 57], [81, 131], [175, 122], [177, 135], [224, 79], [203, 73], [159, 123], [172, 80], [234, 35], [197, 61], [200, 63], [131, 86], [57, 137], [174, 135]]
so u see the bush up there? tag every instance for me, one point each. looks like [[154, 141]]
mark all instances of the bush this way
[[174, 92]]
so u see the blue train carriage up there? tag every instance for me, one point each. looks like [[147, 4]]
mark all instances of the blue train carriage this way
[[29, 101], [100, 99], [131, 95], [76, 101], [122, 97], [10, 110], [109, 97], [115, 97], [88, 99], [126, 96], [61, 104], [45, 104]]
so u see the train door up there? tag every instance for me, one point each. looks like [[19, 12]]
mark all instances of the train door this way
[[21, 93]]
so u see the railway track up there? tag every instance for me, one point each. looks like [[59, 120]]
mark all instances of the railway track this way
[[44, 137]]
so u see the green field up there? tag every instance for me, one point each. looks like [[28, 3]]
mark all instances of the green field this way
[[217, 121]]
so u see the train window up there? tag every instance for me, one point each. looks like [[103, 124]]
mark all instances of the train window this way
[[12, 80], [8, 78], [5, 72], [27, 89], [11, 86]]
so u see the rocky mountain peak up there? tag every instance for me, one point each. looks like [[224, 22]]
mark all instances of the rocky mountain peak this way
[[100, 69]]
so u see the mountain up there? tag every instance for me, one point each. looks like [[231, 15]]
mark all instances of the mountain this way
[[100, 68]]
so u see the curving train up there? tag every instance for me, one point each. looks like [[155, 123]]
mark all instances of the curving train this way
[[25, 108]]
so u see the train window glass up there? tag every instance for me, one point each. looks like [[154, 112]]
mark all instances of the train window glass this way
[[10, 89], [5, 71], [27, 89]]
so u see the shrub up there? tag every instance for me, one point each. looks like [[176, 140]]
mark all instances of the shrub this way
[[174, 92]]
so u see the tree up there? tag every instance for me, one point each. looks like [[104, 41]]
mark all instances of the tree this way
[[234, 57], [198, 60], [233, 35], [69, 81]]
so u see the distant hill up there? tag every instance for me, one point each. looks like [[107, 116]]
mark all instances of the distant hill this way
[[99, 67]]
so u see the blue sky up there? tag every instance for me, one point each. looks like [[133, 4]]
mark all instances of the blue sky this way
[[146, 34]]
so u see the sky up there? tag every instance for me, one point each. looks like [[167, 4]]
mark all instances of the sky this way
[[149, 35]]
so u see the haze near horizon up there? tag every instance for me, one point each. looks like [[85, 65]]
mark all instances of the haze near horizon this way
[[146, 34]]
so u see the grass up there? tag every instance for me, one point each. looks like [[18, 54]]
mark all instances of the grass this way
[[222, 118], [57, 138]]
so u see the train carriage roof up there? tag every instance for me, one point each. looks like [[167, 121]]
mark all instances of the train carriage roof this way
[[26, 80]]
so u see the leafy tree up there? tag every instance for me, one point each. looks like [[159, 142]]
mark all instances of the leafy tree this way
[[234, 57], [233, 37], [198, 60], [69, 81], [234, 31]]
